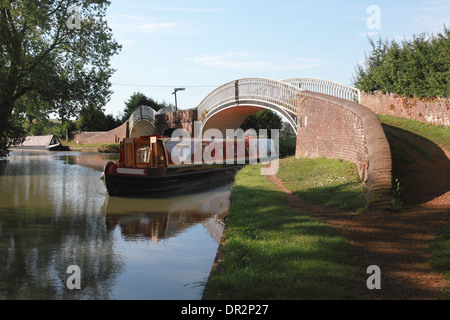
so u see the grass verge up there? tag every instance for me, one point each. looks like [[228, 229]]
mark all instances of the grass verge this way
[[328, 182], [101, 147], [272, 251], [440, 135]]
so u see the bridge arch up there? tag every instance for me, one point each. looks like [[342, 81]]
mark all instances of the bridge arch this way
[[142, 122], [232, 116], [236, 100]]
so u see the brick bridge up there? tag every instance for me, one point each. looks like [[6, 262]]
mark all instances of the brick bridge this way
[[327, 117]]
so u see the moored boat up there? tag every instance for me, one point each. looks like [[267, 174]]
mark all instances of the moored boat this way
[[49, 142], [160, 166]]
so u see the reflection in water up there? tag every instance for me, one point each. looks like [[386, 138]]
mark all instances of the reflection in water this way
[[157, 219], [54, 212]]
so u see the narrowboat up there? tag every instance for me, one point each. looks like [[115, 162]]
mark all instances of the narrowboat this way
[[49, 142], [157, 166]]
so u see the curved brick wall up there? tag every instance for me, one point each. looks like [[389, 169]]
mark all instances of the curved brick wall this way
[[336, 128]]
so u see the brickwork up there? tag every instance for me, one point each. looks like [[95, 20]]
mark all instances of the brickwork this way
[[182, 119], [336, 128], [111, 136], [427, 110]]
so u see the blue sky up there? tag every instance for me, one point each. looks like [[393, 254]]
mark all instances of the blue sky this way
[[200, 45]]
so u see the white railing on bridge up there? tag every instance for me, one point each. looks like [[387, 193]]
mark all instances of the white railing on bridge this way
[[275, 92], [328, 87], [281, 93]]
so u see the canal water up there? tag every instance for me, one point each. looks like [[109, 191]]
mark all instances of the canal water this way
[[55, 213]]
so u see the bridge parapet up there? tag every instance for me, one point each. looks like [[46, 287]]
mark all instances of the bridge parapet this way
[[142, 113], [257, 89], [280, 93], [331, 88]]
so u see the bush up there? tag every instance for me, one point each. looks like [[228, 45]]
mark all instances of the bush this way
[[287, 145], [109, 148], [420, 67]]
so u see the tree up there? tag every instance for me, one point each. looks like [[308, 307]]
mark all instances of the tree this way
[[261, 120], [111, 122], [57, 51], [138, 99], [93, 118]]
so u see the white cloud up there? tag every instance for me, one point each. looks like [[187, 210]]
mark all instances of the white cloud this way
[[141, 23], [177, 9], [128, 17], [251, 61], [150, 27], [369, 34], [126, 42], [308, 63], [155, 26], [229, 60]]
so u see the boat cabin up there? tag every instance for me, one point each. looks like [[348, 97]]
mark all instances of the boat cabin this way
[[159, 152]]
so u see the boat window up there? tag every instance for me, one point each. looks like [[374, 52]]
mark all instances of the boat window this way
[[161, 155], [143, 155], [142, 151]]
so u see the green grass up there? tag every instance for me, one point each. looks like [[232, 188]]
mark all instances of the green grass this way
[[327, 182], [438, 134], [109, 148], [440, 259], [272, 251], [102, 147]]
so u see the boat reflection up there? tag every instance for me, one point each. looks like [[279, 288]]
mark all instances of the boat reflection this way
[[158, 219]]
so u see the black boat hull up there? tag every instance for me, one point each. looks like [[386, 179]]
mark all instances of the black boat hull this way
[[167, 185]]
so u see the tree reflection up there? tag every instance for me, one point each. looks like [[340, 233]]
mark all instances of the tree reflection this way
[[37, 248], [50, 218]]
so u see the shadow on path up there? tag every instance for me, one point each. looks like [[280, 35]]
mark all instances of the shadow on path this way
[[422, 167]]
